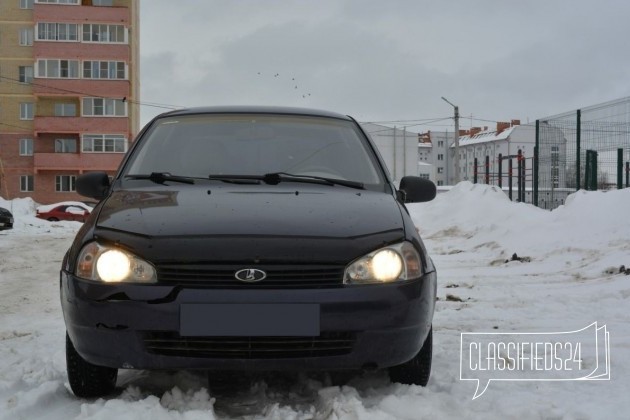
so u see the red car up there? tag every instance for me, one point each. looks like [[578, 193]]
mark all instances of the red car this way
[[74, 211]]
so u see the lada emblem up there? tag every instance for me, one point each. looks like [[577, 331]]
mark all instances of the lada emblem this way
[[250, 275]]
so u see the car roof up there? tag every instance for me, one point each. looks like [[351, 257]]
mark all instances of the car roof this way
[[48, 207], [245, 109]]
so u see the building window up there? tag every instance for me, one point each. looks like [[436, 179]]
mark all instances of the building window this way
[[26, 37], [26, 183], [440, 170], [104, 107], [104, 33], [65, 183], [65, 145], [102, 3], [65, 69], [423, 176], [26, 147], [441, 143], [440, 183], [57, 32], [26, 4], [65, 110], [555, 169], [555, 176], [26, 74], [26, 110], [104, 70], [440, 156], [104, 143]]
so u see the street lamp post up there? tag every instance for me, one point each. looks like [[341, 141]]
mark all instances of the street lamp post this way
[[456, 139]]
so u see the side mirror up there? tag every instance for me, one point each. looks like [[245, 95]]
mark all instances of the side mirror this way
[[93, 185], [416, 190]]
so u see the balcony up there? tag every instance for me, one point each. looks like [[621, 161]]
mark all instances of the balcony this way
[[80, 125], [81, 87], [79, 50], [77, 161], [81, 14]]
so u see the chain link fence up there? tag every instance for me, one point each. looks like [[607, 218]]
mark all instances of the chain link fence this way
[[585, 149]]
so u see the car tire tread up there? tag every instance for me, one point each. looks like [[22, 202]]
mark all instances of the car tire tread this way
[[417, 370], [88, 380]]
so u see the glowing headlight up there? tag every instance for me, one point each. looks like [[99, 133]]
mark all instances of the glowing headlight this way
[[386, 265], [394, 263], [111, 265]]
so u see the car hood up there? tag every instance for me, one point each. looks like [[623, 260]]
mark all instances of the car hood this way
[[232, 222]]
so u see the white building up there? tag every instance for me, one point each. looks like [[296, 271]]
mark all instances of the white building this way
[[432, 154], [433, 149], [508, 141], [426, 171], [398, 147]]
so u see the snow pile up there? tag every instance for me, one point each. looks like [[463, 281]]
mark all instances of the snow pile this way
[[19, 206], [24, 209], [481, 213], [564, 277]]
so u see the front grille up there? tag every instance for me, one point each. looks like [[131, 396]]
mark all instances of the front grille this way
[[278, 276], [172, 344]]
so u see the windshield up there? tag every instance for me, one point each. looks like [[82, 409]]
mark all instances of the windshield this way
[[199, 146]]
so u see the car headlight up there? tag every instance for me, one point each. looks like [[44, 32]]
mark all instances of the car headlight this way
[[393, 263], [111, 265]]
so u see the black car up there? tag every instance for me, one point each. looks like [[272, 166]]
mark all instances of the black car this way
[[248, 238], [6, 219]]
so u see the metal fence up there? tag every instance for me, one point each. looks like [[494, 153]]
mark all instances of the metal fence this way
[[585, 149]]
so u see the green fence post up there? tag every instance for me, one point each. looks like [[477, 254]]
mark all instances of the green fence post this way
[[510, 169], [590, 173], [594, 155], [577, 149], [619, 168], [500, 162], [536, 147], [588, 170]]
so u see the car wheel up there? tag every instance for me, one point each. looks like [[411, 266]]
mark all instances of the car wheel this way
[[52, 219], [88, 380], [417, 370]]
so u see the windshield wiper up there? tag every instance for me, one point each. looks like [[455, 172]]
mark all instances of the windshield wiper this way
[[277, 177], [161, 177], [237, 179]]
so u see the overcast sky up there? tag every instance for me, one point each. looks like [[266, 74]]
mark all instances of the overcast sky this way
[[381, 60]]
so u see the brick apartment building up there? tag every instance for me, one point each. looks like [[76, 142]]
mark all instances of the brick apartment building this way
[[68, 92]]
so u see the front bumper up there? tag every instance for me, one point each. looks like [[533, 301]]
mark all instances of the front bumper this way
[[371, 326]]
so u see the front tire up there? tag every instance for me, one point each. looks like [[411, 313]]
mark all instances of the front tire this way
[[88, 380], [417, 370]]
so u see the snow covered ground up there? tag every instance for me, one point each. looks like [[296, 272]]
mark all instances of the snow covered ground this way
[[568, 277]]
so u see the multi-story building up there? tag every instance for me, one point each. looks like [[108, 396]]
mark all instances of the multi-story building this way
[[506, 142], [69, 89], [433, 150]]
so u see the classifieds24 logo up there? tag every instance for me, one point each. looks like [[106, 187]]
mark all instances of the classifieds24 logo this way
[[578, 355]]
